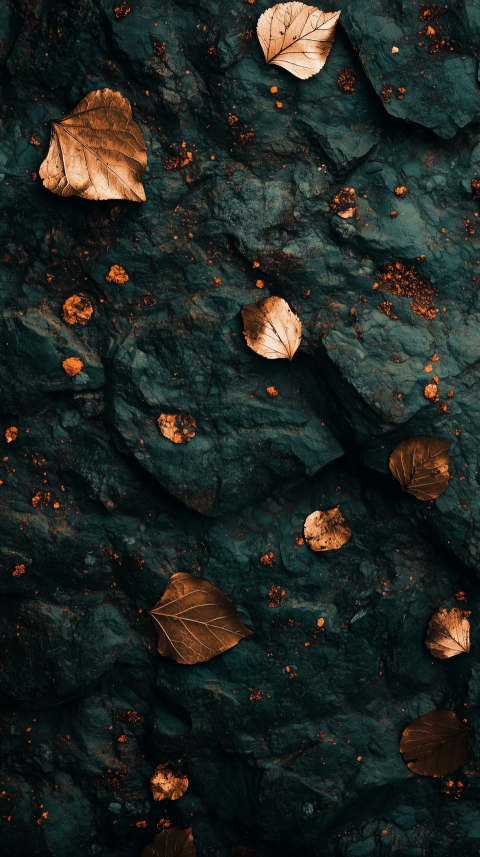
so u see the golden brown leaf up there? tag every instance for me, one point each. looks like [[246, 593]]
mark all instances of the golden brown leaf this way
[[448, 633], [172, 842], [11, 434], [72, 366], [272, 329], [77, 310], [421, 466], [117, 275], [167, 783], [297, 37], [97, 151], [326, 531], [177, 427], [435, 744], [195, 620]]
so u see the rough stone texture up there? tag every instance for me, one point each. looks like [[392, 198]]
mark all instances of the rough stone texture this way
[[297, 761]]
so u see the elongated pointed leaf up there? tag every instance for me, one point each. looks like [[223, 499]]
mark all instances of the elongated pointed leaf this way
[[195, 620]]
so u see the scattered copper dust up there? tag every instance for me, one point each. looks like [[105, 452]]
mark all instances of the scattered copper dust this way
[[430, 14], [268, 559], [386, 93], [393, 214], [454, 789], [430, 391], [168, 783], [400, 92], [122, 11], [19, 569], [77, 310], [148, 299], [255, 693], [401, 191], [272, 392], [346, 80], [117, 275], [72, 366], [299, 541], [387, 308], [475, 185], [343, 203], [275, 596], [291, 673], [460, 596], [11, 434], [41, 499], [399, 278], [177, 427], [141, 824], [470, 226]]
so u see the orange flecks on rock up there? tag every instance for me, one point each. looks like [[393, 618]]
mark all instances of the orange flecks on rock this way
[[475, 185], [256, 265], [217, 281], [273, 89], [41, 499], [77, 310], [279, 104], [148, 299], [428, 368], [346, 80], [72, 366], [386, 93], [291, 673], [321, 623], [117, 275], [268, 559], [11, 434], [122, 739], [401, 92], [394, 50], [450, 394], [460, 596], [141, 824], [401, 191], [122, 11], [359, 758], [393, 214], [386, 307], [299, 541], [430, 391], [434, 358], [343, 203], [255, 693], [403, 279], [272, 392], [178, 428], [275, 596], [19, 569]]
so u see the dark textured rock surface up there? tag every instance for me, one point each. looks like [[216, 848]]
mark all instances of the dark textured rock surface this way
[[289, 740]]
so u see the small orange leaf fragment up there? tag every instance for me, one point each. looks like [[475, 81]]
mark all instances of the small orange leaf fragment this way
[[72, 366], [168, 783], [326, 530]]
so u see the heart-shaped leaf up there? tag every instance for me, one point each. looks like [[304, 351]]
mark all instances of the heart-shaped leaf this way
[[195, 620], [435, 744], [97, 151], [172, 842], [297, 37], [448, 633], [421, 466], [326, 531], [272, 329]]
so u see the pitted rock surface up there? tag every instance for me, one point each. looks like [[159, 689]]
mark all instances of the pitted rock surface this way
[[290, 739]]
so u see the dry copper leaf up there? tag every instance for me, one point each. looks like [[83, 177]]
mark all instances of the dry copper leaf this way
[[97, 151], [195, 620], [421, 466], [11, 434], [435, 744], [177, 427], [72, 366], [167, 783], [297, 37], [171, 842], [272, 329], [77, 310], [448, 633], [326, 531]]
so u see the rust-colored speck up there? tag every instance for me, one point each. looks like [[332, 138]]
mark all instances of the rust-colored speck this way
[[255, 693], [461, 596], [346, 80], [275, 596], [272, 392], [11, 434], [386, 93], [430, 391], [41, 499], [77, 310], [343, 203], [299, 541], [122, 739], [141, 824], [122, 11], [470, 226], [399, 278], [475, 185], [386, 307], [19, 569], [72, 366], [320, 623], [401, 92], [117, 275], [401, 191], [159, 48], [268, 559], [291, 673]]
